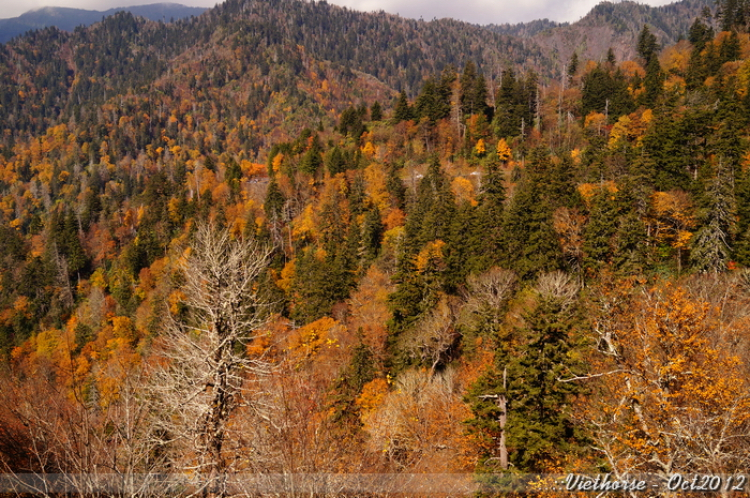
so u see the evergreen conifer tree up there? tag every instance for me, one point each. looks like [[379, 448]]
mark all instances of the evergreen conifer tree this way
[[653, 83], [376, 111], [402, 110], [489, 223], [540, 390], [430, 220], [611, 59], [395, 187], [335, 162], [431, 215], [348, 386], [372, 233], [700, 34], [463, 247], [648, 47], [473, 91], [429, 103], [629, 253], [711, 246], [531, 244], [525, 400], [312, 159], [599, 232], [274, 203], [573, 65], [506, 121]]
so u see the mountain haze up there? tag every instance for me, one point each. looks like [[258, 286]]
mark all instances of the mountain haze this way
[[67, 19]]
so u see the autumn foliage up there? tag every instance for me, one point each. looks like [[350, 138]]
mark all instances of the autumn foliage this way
[[447, 268]]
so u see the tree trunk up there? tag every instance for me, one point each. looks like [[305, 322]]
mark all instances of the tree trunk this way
[[502, 404]]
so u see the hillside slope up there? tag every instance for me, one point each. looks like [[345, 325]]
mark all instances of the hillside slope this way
[[288, 239], [53, 75], [608, 24]]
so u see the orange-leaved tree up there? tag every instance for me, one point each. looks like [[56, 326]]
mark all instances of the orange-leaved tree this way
[[673, 395]]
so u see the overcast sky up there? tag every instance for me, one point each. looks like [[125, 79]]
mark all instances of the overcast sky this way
[[475, 11]]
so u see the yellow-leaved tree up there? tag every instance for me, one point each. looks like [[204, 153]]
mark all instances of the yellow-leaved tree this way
[[673, 395]]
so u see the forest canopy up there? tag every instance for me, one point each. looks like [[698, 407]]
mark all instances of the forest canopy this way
[[290, 238]]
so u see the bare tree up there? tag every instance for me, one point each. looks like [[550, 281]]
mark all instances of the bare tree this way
[[486, 303], [418, 425], [432, 340], [559, 286], [53, 440], [200, 362], [487, 295], [296, 450]]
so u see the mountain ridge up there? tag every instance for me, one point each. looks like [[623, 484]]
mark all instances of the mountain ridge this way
[[67, 19], [275, 48], [609, 25]]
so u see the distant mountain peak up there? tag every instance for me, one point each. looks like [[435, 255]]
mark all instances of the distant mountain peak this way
[[609, 24], [67, 19]]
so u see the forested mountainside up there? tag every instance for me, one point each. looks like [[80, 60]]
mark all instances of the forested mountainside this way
[[67, 19], [610, 25], [525, 29], [52, 76], [290, 238]]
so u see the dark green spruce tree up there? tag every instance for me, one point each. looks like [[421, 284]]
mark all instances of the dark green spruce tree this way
[[525, 402], [473, 91], [531, 244], [430, 219], [487, 236], [598, 236], [629, 256], [402, 110], [348, 386], [540, 386], [429, 103], [711, 246], [741, 253]]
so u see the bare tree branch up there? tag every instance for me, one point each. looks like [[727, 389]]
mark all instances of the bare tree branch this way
[[200, 362]]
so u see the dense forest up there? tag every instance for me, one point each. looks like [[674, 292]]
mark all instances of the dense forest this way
[[291, 239]]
